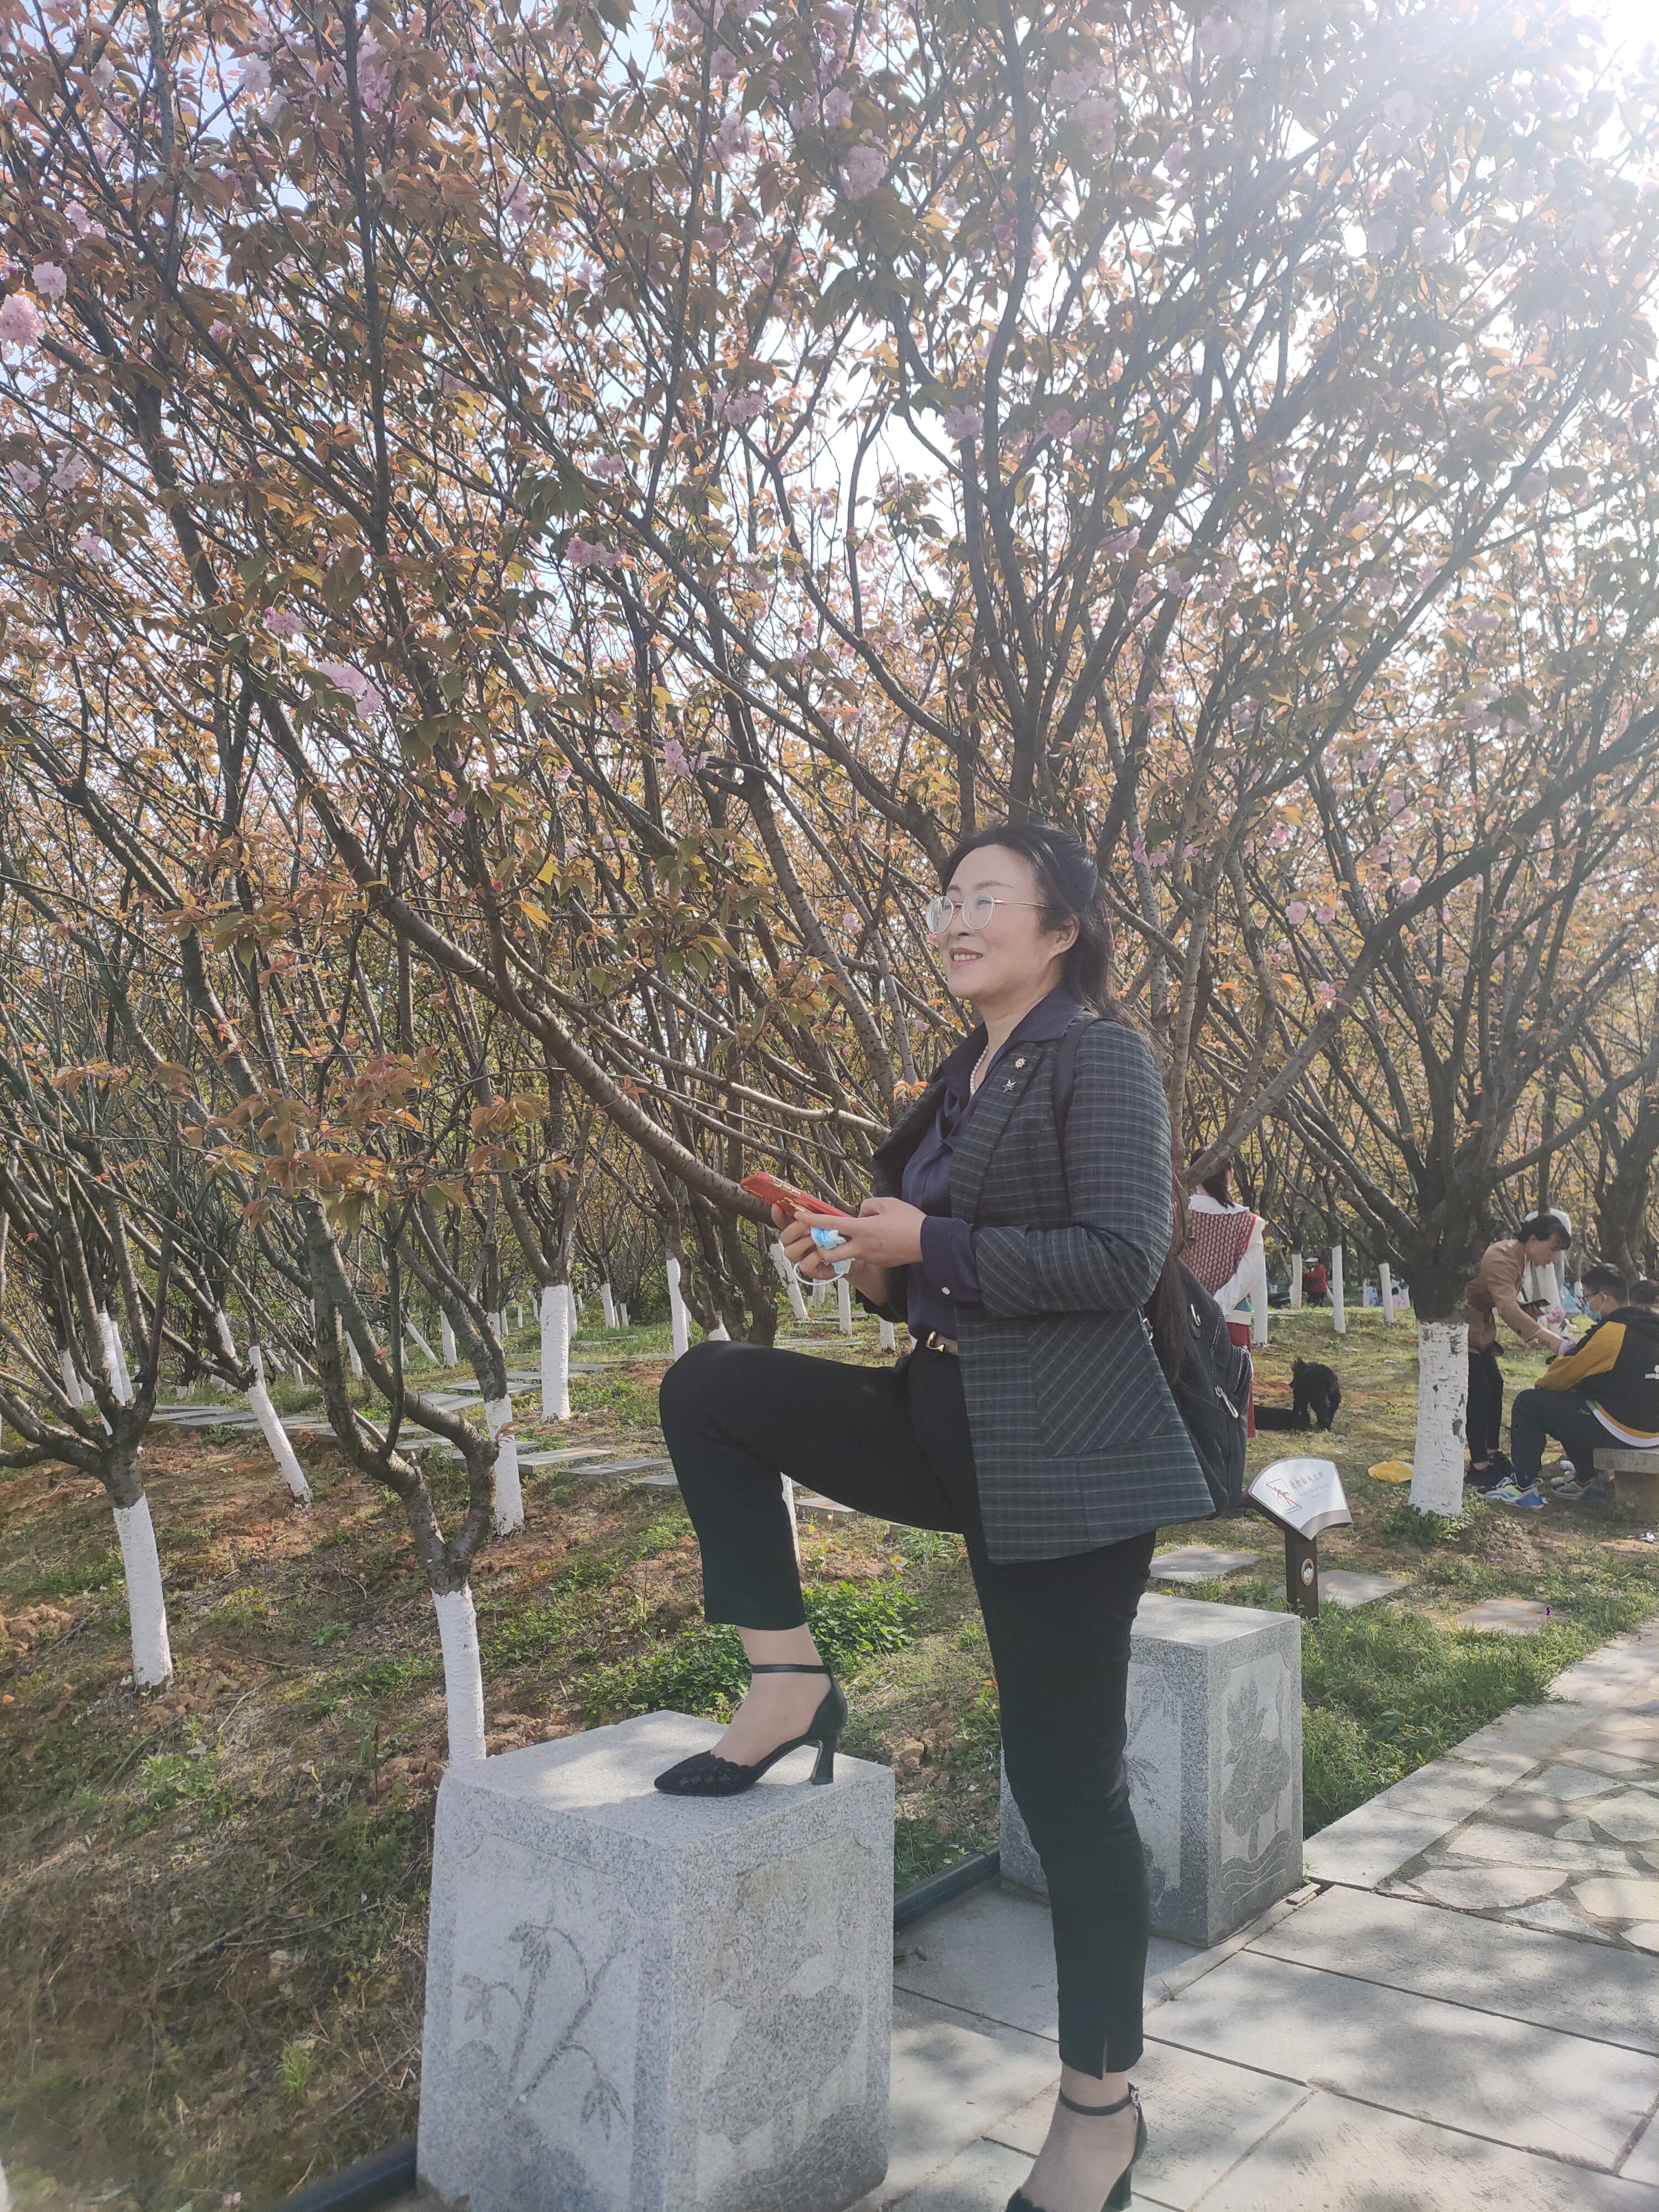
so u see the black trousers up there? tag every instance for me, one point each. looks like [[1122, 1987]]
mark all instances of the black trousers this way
[[1484, 1421], [894, 1443], [1570, 1419]]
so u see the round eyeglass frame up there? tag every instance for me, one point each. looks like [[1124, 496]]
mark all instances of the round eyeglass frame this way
[[976, 911]]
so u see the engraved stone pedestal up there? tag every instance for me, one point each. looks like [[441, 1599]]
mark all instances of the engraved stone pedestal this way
[[643, 2003], [1215, 1765]]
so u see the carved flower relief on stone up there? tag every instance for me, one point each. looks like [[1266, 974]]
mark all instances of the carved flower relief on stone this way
[[1258, 1765]]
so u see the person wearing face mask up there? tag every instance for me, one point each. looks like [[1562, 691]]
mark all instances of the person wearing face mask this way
[[1022, 1240], [1495, 1289], [1605, 1392]]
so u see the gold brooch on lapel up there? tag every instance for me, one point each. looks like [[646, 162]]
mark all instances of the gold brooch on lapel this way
[[1020, 1062]]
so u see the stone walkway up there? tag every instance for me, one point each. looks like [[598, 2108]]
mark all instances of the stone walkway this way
[[1456, 2014]]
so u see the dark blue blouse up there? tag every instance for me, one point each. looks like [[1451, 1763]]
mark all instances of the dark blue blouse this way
[[947, 1274]]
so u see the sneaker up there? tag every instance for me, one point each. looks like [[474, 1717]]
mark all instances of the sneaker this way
[[1582, 1493], [1508, 1493]]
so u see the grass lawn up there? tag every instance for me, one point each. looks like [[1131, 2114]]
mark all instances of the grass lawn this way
[[212, 1900]]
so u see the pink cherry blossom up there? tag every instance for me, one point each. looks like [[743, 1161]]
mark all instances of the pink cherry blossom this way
[[23, 477], [863, 170], [49, 280], [1325, 994], [19, 320], [219, 332], [1325, 912], [84, 225], [1410, 886], [961, 423], [1296, 914], [256, 76], [91, 547], [1278, 838], [1120, 542], [519, 206], [281, 623], [582, 553]]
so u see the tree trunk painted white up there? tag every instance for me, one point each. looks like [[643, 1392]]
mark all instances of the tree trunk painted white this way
[[152, 1654], [457, 1634], [115, 1358], [1338, 1311], [354, 1357], [720, 1334], [820, 1292], [844, 1305], [556, 1354], [446, 1339], [1442, 1394], [282, 1450], [889, 1340], [1259, 1298], [623, 1310], [679, 1323], [73, 1389], [1296, 1282], [608, 1305], [509, 1493], [413, 1330], [574, 1311], [1385, 1278], [790, 1282]]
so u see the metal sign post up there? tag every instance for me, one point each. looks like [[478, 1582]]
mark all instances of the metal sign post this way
[[1302, 1498]]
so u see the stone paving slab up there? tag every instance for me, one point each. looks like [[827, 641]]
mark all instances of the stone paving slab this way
[[1532, 2087], [1341, 1586], [1481, 1964], [1200, 1563], [1506, 1616], [1336, 2155]]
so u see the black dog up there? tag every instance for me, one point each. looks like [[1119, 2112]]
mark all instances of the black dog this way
[[1315, 1394]]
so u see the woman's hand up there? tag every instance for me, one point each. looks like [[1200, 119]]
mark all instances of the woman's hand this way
[[887, 1233]]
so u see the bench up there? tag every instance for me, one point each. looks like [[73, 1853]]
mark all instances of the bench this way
[[1635, 1477]]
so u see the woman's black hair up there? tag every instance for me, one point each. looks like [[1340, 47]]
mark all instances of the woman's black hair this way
[[1069, 887], [1070, 890], [1537, 1226]]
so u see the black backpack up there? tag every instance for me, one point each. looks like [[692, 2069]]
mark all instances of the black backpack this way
[[1213, 1390]]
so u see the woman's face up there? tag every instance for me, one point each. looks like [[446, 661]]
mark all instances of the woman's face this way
[[1008, 957], [1539, 1251]]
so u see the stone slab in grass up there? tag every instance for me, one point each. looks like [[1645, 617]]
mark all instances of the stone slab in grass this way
[[1506, 1616], [1198, 1563], [1342, 1586]]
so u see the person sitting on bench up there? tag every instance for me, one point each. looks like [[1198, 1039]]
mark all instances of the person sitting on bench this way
[[1605, 1392]]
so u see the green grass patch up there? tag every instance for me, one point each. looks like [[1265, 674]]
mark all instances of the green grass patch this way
[[704, 1670], [1386, 1690]]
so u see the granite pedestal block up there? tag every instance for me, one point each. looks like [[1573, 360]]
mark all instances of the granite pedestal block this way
[[1215, 1765], [644, 2003]]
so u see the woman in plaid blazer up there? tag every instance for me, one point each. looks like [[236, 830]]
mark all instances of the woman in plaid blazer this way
[[1034, 1416]]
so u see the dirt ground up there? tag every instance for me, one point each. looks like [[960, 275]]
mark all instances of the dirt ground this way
[[212, 1898]]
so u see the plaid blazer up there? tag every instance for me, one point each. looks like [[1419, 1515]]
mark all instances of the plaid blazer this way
[[1077, 1440]]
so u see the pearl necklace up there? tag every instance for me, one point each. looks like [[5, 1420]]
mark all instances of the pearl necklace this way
[[978, 1075]]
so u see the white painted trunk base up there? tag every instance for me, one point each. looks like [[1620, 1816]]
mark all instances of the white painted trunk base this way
[[889, 1340], [354, 1359], [679, 1321], [446, 1340], [623, 1310], [1296, 1282], [1259, 1298], [115, 1358], [509, 1493], [1385, 1278], [1442, 1394], [282, 1450], [720, 1334], [608, 1305], [152, 1654], [1338, 1311], [556, 1354], [844, 1305], [791, 1282], [414, 1331], [73, 1389], [457, 1634]]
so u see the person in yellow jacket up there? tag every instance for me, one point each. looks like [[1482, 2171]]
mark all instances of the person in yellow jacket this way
[[1605, 1392]]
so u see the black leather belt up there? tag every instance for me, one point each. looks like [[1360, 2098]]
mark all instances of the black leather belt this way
[[934, 1342]]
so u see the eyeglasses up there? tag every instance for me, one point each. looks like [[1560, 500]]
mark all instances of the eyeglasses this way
[[976, 910]]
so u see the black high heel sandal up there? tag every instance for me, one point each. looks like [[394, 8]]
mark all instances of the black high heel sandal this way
[[1122, 2194], [706, 1775]]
